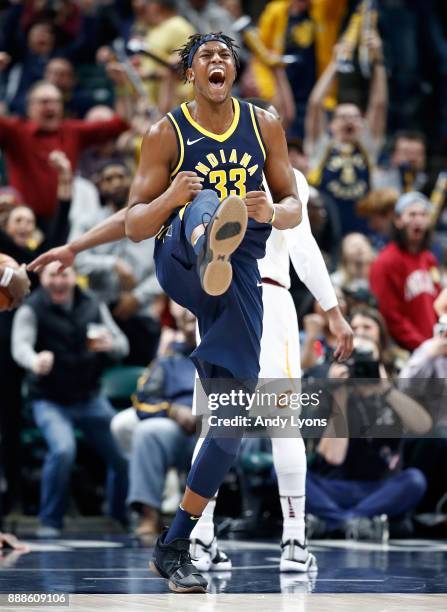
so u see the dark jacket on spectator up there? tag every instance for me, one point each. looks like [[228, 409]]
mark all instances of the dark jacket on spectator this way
[[75, 376]]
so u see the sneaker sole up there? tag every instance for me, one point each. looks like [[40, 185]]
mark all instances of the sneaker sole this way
[[289, 565], [226, 234], [175, 588]]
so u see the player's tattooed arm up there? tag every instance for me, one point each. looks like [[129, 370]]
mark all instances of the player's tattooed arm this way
[[279, 173], [152, 196]]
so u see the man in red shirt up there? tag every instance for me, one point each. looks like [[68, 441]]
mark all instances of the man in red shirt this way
[[405, 276], [27, 143]]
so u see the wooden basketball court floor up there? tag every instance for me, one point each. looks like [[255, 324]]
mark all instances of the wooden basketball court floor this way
[[111, 573]]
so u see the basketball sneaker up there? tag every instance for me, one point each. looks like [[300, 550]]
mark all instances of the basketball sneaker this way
[[295, 557], [209, 557], [224, 233], [173, 562]]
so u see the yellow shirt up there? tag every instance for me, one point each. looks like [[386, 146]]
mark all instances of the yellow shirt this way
[[327, 16], [163, 40]]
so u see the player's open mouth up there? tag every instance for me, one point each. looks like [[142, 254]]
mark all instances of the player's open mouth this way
[[217, 78]]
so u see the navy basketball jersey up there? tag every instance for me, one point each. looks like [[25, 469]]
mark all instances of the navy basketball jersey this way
[[230, 164]]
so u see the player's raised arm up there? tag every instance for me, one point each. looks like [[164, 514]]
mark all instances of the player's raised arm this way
[[152, 198], [279, 174]]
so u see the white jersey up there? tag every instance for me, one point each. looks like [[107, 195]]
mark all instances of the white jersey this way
[[299, 245]]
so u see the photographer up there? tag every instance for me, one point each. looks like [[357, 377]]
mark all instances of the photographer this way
[[356, 479]]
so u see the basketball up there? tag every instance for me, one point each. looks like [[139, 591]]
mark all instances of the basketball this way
[[5, 298]]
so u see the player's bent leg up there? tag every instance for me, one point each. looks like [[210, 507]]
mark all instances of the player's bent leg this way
[[215, 236]]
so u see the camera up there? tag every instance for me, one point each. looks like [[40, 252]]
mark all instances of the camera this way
[[362, 364]]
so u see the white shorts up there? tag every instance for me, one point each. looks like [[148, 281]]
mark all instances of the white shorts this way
[[280, 365], [280, 343]]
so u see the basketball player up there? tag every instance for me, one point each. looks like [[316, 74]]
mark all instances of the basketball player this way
[[280, 359], [224, 145], [288, 454], [16, 281], [198, 188]]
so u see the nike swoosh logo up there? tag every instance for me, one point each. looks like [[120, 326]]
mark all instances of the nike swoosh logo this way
[[191, 142]]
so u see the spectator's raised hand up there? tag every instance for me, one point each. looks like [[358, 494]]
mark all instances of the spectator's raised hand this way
[[60, 162], [117, 73], [374, 44], [43, 363]]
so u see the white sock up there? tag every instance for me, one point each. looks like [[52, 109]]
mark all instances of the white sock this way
[[289, 458], [204, 528]]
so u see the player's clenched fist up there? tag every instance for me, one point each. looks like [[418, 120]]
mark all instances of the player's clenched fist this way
[[185, 187], [258, 206]]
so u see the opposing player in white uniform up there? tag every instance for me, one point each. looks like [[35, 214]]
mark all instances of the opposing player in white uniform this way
[[280, 359]]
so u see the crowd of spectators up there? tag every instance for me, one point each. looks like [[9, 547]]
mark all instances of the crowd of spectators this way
[[361, 92]]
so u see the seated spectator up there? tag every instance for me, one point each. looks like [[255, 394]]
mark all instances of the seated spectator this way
[[26, 143], [340, 161], [405, 277], [355, 477], [122, 273], [369, 323], [159, 427], [378, 209], [356, 259], [50, 341], [60, 72], [406, 170]]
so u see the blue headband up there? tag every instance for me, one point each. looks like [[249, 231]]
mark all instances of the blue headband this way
[[202, 41]]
